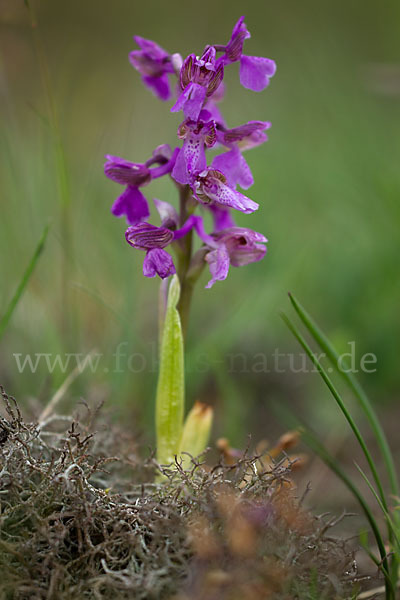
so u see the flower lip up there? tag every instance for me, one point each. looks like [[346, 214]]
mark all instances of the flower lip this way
[[146, 236], [204, 129], [126, 173], [158, 262], [210, 186]]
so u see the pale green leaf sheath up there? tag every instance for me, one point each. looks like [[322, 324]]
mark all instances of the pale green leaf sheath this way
[[196, 432], [170, 401]]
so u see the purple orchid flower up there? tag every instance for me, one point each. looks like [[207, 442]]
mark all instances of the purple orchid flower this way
[[158, 262], [132, 203], [153, 240], [236, 246], [255, 71], [192, 156], [199, 79], [201, 87], [154, 64], [211, 186]]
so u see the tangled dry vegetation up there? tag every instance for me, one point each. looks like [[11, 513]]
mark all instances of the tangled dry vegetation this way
[[81, 518]]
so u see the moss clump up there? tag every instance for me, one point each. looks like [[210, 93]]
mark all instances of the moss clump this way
[[81, 518]]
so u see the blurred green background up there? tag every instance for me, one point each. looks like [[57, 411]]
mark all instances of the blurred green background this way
[[327, 181]]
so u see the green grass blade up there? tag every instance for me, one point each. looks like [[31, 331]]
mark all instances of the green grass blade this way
[[385, 512], [316, 446], [23, 282], [393, 535], [356, 388], [311, 439], [170, 400], [341, 405]]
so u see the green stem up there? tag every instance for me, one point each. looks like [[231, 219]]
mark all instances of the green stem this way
[[184, 258]]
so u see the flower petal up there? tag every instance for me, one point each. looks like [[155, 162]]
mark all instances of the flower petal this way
[[244, 132], [255, 72], [132, 204], [158, 85], [218, 261], [211, 186], [179, 172], [169, 216], [147, 236], [234, 48], [191, 101], [158, 262], [235, 168], [244, 245], [126, 173], [222, 217]]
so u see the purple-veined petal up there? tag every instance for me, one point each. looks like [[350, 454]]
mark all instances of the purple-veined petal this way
[[146, 236], [243, 132], [132, 204], [126, 173], [234, 48], [158, 262], [255, 72], [187, 71], [215, 79], [218, 261]]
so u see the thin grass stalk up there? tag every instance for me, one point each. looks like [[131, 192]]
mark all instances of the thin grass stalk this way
[[356, 388], [313, 442], [368, 410], [23, 282], [341, 405]]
